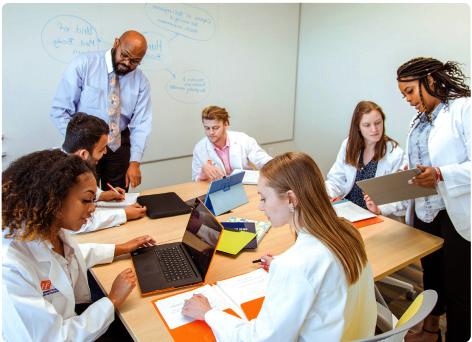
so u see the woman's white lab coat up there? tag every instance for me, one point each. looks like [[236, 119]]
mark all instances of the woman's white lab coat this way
[[341, 176], [449, 149], [104, 218], [243, 150], [38, 298], [307, 299]]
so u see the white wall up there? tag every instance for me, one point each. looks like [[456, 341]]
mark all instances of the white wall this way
[[202, 54], [350, 52]]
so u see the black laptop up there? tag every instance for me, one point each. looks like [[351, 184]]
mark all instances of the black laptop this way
[[173, 265]]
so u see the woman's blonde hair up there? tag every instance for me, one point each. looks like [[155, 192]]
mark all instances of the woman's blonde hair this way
[[215, 113], [298, 172]]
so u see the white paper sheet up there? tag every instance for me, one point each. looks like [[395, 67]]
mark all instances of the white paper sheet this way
[[246, 287], [351, 211], [250, 176], [171, 307], [130, 198]]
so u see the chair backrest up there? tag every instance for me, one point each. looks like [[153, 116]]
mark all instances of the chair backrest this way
[[416, 312]]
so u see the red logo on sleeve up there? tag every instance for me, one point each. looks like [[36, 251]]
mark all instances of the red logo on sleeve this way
[[45, 285]]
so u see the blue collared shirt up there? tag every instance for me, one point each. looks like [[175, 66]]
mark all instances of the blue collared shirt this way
[[84, 88], [426, 208]]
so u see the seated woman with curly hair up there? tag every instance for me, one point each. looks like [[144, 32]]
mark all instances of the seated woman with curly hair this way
[[45, 196]]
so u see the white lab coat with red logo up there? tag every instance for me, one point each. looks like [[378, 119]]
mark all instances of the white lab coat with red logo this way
[[39, 296]]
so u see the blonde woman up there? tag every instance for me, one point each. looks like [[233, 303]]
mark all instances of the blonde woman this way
[[321, 288]]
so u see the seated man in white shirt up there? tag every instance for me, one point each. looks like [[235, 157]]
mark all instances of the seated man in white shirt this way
[[223, 151], [87, 137]]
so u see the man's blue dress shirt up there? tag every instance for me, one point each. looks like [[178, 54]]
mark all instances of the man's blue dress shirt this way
[[84, 88]]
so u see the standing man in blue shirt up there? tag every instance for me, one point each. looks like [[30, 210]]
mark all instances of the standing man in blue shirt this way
[[108, 84]]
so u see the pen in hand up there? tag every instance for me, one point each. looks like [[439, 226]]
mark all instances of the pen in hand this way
[[112, 188], [257, 260]]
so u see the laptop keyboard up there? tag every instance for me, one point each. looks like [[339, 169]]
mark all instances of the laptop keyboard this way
[[174, 264]]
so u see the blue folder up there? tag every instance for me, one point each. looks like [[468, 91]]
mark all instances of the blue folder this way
[[226, 194]]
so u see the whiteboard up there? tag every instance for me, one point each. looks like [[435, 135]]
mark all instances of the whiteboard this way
[[239, 56]]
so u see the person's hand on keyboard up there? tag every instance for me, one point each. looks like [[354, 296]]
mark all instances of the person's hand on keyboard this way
[[131, 245]]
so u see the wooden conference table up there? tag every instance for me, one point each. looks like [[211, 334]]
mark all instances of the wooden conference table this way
[[390, 246]]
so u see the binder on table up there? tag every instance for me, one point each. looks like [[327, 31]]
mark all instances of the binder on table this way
[[225, 194], [241, 296]]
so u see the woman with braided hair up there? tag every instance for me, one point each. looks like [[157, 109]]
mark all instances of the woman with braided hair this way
[[439, 145]]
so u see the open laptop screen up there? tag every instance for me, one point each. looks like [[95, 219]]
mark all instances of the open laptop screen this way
[[201, 236]]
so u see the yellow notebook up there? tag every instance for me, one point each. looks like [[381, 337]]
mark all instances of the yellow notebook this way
[[233, 242]]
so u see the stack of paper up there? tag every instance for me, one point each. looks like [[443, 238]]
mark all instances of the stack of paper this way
[[351, 212], [130, 198]]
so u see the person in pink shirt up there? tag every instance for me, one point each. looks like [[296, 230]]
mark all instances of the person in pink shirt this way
[[222, 151]]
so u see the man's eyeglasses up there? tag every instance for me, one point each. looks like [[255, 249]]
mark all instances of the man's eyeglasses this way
[[132, 61]]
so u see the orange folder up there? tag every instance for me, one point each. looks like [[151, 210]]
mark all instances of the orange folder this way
[[201, 330], [367, 222]]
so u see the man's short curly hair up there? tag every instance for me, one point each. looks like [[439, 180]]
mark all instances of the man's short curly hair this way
[[34, 188]]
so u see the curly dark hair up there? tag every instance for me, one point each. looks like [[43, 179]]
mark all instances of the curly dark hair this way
[[34, 188], [448, 79]]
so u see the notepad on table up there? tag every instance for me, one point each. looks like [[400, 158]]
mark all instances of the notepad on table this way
[[130, 198], [232, 241], [250, 176], [351, 212], [241, 296]]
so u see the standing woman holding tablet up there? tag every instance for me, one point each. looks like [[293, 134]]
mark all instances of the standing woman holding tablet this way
[[439, 145], [368, 152], [321, 288]]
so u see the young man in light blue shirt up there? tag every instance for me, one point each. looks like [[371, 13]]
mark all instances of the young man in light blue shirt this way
[[85, 88]]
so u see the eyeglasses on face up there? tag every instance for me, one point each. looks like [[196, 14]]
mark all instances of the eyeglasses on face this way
[[125, 55]]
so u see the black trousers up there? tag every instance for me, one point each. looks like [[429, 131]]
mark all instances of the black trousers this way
[[447, 271], [113, 166], [116, 331]]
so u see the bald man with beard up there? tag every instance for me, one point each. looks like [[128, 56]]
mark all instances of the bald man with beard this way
[[86, 86]]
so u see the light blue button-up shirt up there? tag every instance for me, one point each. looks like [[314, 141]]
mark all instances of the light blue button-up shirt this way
[[426, 208], [84, 88]]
